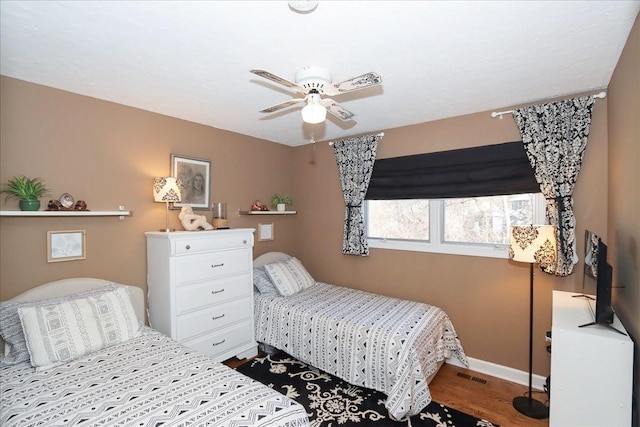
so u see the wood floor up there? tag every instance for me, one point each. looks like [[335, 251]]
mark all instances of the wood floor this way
[[491, 401], [476, 394]]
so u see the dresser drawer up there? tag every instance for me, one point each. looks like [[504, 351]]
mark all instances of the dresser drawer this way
[[222, 341], [202, 294], [211, 265], [216, 317], [197, 244]]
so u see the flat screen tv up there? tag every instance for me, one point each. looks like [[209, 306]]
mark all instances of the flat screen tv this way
[[597, 268]]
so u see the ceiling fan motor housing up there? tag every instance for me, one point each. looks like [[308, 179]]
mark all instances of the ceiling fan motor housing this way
[[313, 78]]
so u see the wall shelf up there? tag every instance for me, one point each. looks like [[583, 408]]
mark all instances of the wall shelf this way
[[267, 212], [120, 213]]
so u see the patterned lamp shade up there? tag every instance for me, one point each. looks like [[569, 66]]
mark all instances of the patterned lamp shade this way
[[166, 189], [533, 244]]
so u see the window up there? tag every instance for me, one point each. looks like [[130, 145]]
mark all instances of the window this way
[[398, 219], [466, 226]]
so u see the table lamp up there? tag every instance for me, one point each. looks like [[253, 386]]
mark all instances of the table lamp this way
[[167, 190]]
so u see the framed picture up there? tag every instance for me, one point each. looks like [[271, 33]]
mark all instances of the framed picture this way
[[68, 245], [265, 232], [195, 175]]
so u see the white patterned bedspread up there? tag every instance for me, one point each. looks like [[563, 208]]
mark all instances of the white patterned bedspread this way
[[387, 344], [147, 381]]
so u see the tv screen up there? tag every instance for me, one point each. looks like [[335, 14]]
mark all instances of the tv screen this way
[[604, 311], [598, 270]]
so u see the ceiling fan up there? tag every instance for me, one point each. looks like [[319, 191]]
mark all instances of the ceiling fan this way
[[313, 83]]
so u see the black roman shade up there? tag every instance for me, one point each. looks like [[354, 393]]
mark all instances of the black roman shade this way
[[490, 170]]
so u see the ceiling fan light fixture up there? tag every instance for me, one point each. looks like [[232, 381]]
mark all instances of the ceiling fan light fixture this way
[[313, 112], [315, 82]]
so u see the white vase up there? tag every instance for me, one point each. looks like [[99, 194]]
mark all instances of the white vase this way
[[281, 207]]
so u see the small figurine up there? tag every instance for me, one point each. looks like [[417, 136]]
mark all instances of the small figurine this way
[[191, 221], [259, 206], [54, 205], [80, 205]]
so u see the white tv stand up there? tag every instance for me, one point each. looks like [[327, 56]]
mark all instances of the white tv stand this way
[[591, 367]]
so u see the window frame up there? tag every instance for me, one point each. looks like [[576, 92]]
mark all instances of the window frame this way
[[435, 244]]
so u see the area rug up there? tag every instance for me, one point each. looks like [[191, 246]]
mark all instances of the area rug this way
[[331, 402]]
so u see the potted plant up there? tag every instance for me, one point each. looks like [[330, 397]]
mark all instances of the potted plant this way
[[27, 190], [280, 202]]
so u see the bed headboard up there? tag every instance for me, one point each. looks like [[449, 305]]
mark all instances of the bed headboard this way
[[64, 287], [268, 258]]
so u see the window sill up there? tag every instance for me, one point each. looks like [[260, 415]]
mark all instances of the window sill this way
[[497, 251]]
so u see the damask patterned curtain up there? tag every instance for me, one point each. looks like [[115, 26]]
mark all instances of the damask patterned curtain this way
[[355, 157], [555, 138]]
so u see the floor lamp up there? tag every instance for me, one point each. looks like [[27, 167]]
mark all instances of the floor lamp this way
[[167, 190], [532, 244]]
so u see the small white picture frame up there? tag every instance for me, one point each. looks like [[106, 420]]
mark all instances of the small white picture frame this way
[[265, 232], [68, 245]]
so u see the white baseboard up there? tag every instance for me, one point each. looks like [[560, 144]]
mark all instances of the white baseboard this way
[[503, 372]]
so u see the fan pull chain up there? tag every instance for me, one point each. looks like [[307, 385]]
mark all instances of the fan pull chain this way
[[312, 141]]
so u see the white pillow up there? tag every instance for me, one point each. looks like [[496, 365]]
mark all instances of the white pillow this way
[[289, 276], [11, 329], [263, 283], [66, 331]]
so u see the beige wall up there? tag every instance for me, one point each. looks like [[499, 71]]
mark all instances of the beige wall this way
[[624, 180], [624, 187], [107, 154]]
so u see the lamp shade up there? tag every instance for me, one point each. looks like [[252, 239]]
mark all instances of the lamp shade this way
[[314, 112], [166, 189], [533, 244]]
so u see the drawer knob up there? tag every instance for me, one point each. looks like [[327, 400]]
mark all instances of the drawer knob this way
[[244, 242], [188, 247], [217, 343], [217, 292], [217, 265], [217, 317]]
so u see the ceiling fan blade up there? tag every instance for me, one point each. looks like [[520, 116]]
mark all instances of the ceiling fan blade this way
[[284, 82], [355, 83], [282, 105], [336, 109]]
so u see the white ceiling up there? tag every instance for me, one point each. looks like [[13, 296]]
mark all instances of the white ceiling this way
[[437, 59]]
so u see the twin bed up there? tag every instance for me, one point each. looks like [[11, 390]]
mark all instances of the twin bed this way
[[145, 380], [124, 373], [391, 345]]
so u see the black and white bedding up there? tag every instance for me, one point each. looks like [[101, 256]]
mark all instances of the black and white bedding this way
[[147, 381], [144, 380], [387, 344]]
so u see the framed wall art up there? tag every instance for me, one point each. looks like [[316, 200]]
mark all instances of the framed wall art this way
[[265, 232], [195, 175], [68, 245]]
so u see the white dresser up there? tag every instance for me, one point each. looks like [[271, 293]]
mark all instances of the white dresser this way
[[201, 290], [591, 368]]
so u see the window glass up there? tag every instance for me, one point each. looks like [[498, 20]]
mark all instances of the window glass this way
[[467, 226], [485, 219], [398, 219]]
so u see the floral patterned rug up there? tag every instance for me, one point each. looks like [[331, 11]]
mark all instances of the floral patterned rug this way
[[332, 402]]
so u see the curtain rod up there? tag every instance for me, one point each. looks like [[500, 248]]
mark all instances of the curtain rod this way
[[500, 113], [379, 134]]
